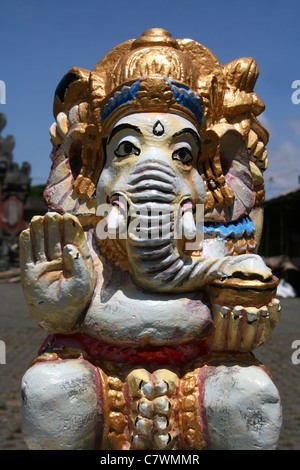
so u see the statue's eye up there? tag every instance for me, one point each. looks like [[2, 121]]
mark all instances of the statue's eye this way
[[126, 148], [184, 155]]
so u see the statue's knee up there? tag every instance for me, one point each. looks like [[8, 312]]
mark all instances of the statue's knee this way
[[62, 406], [243, 408]]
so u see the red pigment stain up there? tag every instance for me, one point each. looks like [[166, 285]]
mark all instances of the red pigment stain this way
[[107, 352], [99, 422], [202, 375]]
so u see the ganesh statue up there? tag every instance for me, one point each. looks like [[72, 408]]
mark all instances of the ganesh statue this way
[[144, 272]]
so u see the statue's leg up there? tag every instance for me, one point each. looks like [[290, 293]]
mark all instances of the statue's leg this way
[[238, 408], [62, 405], [228, 405]]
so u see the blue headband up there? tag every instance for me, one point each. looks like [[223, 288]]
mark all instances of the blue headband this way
[[183, 95]]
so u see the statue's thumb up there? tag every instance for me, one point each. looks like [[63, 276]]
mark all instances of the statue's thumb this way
[[73, 260]]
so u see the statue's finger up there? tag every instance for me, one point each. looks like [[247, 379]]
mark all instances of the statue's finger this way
[[74, 235], [75, 265], [25, 243], [73, 231], [36, 227], [53, 235]]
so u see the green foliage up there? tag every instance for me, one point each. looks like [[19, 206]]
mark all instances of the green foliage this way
[[36, 191]]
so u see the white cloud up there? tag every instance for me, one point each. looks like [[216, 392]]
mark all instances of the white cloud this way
[[294, 124], [283, 171]]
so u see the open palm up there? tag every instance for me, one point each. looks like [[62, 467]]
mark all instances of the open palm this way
[[57, 271]]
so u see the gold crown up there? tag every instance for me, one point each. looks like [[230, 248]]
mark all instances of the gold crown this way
[[154, 53], [150, 59]]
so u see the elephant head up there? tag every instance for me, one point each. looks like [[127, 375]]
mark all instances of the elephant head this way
[[156, 130], [152, 182]]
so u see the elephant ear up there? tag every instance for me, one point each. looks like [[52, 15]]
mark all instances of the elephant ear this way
[[230, 187], [241, 106], [237, 172], [76, 153]]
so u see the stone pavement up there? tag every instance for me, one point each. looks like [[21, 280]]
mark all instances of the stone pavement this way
[[23, 338]]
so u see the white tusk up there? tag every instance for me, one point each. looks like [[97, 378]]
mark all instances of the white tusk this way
[[188, 225], [115, 221]]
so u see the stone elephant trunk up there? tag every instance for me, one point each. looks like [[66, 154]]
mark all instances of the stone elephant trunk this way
[[157, 206], [160, 208]]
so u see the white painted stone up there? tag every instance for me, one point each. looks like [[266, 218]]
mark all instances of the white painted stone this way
[[243, 409], [214, 248], [147, 389], [59, 406]]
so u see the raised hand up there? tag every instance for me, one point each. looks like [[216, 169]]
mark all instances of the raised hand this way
[[57, 271]]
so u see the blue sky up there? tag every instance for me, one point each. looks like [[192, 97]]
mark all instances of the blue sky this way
[[41, 40]]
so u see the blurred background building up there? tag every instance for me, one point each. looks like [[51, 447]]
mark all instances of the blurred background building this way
[[280, 245], [18, 201]]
